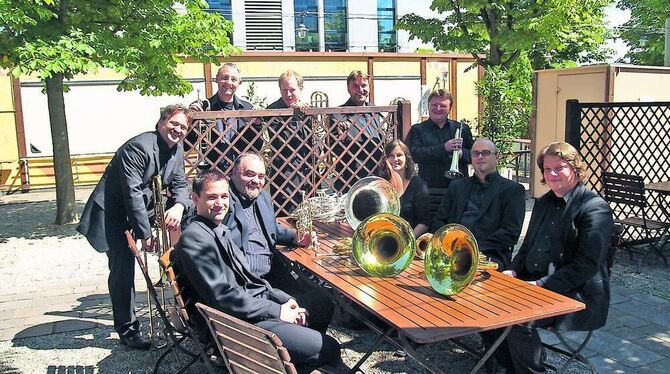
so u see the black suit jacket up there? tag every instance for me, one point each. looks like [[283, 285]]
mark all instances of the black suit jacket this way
[[237, 223], [579, 250], [498, 225], [123, 197], [218, 275], [427, 148]]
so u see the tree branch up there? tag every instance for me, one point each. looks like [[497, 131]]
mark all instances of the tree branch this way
[[464, 29]]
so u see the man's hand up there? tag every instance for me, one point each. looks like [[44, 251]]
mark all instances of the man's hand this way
[[453, 145], [300, 105], [173, 217], [150, 245], [510, 273], [291, 312], [308, 238], [343, 130], [196, 106]]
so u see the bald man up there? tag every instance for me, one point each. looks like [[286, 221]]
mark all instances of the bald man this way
[[491, 206]]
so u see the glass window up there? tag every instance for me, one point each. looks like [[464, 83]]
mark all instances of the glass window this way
[[306, 12], [386, 25], [222, 7], [335, 24]]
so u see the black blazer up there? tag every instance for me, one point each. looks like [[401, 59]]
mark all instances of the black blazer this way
[[579, 252], [123, 197], [498, 226], [218, 275], [428, 151], [237, 224]]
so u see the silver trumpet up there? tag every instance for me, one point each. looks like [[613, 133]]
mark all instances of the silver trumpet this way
[[453, 172]]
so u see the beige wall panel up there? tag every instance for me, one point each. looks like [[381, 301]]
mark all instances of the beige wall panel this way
[[6, 98], [395, 68], [409, 89], [305, 68], [468, 103], [554, 89], [642, 86], [437, 75]]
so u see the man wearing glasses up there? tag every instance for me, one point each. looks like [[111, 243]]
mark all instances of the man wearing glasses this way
[[491, 206], [433, 141]]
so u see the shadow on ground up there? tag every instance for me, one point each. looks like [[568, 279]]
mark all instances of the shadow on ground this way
[[33, 221]]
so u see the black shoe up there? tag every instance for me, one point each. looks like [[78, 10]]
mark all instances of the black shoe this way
[[135, 341]]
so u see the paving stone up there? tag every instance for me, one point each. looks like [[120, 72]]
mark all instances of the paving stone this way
[[659, 332], [616, 298], [57, 291], [8, 334], [654, 344], [660, 367], [627, 333], [9, 323], [39, 330], [604, 364], [13, 305], [623, 291], [74, 325], [657, 314], [622, 350], [650, 299]]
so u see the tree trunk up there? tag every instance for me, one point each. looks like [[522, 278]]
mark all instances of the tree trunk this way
[[66, 208]]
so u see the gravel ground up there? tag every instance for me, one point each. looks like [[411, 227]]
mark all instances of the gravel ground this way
[[36, 255]]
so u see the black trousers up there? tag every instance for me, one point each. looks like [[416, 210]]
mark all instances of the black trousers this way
[[121, 283], [308, 348], [522, 350], [319, 306]]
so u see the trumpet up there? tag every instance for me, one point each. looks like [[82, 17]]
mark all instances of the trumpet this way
[[160, 233], [453, 172]]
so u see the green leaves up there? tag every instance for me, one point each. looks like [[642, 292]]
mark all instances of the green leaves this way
[[647, 21], [144, 40]]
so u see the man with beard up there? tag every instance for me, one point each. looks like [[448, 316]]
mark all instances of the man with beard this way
[[216, 273], [254, 228], [123, 200]]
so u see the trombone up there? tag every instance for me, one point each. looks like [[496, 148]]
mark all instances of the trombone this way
[[162, 239]]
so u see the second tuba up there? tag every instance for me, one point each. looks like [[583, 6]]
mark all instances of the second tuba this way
[[452, 259], [383, 245], [369, 196]]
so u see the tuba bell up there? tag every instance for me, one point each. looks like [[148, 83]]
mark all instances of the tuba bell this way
[[452, 259], [421, 245], [369, 196], [383, 245]]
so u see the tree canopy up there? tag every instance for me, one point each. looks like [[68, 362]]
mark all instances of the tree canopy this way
[[551, 33], [647, 21], [143, 40]]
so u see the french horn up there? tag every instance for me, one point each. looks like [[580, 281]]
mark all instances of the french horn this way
[[383, 245], [452, 259], [369, 196]]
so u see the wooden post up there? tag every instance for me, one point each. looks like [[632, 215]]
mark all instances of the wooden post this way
[[572, 122], [404, 115], [207, 72], [371, 81], [20, 134]]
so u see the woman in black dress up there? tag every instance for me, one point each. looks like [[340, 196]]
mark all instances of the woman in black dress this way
[[396, 166]]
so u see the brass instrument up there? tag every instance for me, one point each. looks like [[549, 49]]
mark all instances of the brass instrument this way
[[203, 102], [453, 172], [421, 245], [383, 245], [452, 259], [303, 215], [369, 196], [161, 236]]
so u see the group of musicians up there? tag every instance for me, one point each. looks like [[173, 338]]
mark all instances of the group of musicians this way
[[227, 250]]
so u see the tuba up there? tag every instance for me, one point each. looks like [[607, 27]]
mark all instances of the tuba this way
[[369, 196], [452, 259], [421, 245], [383, 245]]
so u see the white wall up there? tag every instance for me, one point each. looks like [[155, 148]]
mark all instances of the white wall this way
[[362, 29]]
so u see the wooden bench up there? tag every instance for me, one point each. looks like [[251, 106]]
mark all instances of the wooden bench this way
[[435, 195]]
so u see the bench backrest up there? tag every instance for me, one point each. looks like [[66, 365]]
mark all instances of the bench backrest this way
[[436, 194], [246, 348], [625, 189]]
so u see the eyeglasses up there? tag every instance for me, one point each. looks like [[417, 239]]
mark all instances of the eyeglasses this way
[[556, 170], [485, 153], [439, 106]]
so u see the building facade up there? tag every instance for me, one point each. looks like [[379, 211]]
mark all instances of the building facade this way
[[327, 25]]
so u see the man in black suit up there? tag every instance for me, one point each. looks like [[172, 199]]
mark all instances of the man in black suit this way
[[564, 251], [228, 80], [218, 275], [432, 142], [291, 139], [491, 206], [123, 200], [352, 133], [254, 229]]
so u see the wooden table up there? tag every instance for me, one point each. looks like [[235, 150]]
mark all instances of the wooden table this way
[[415, 311]]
